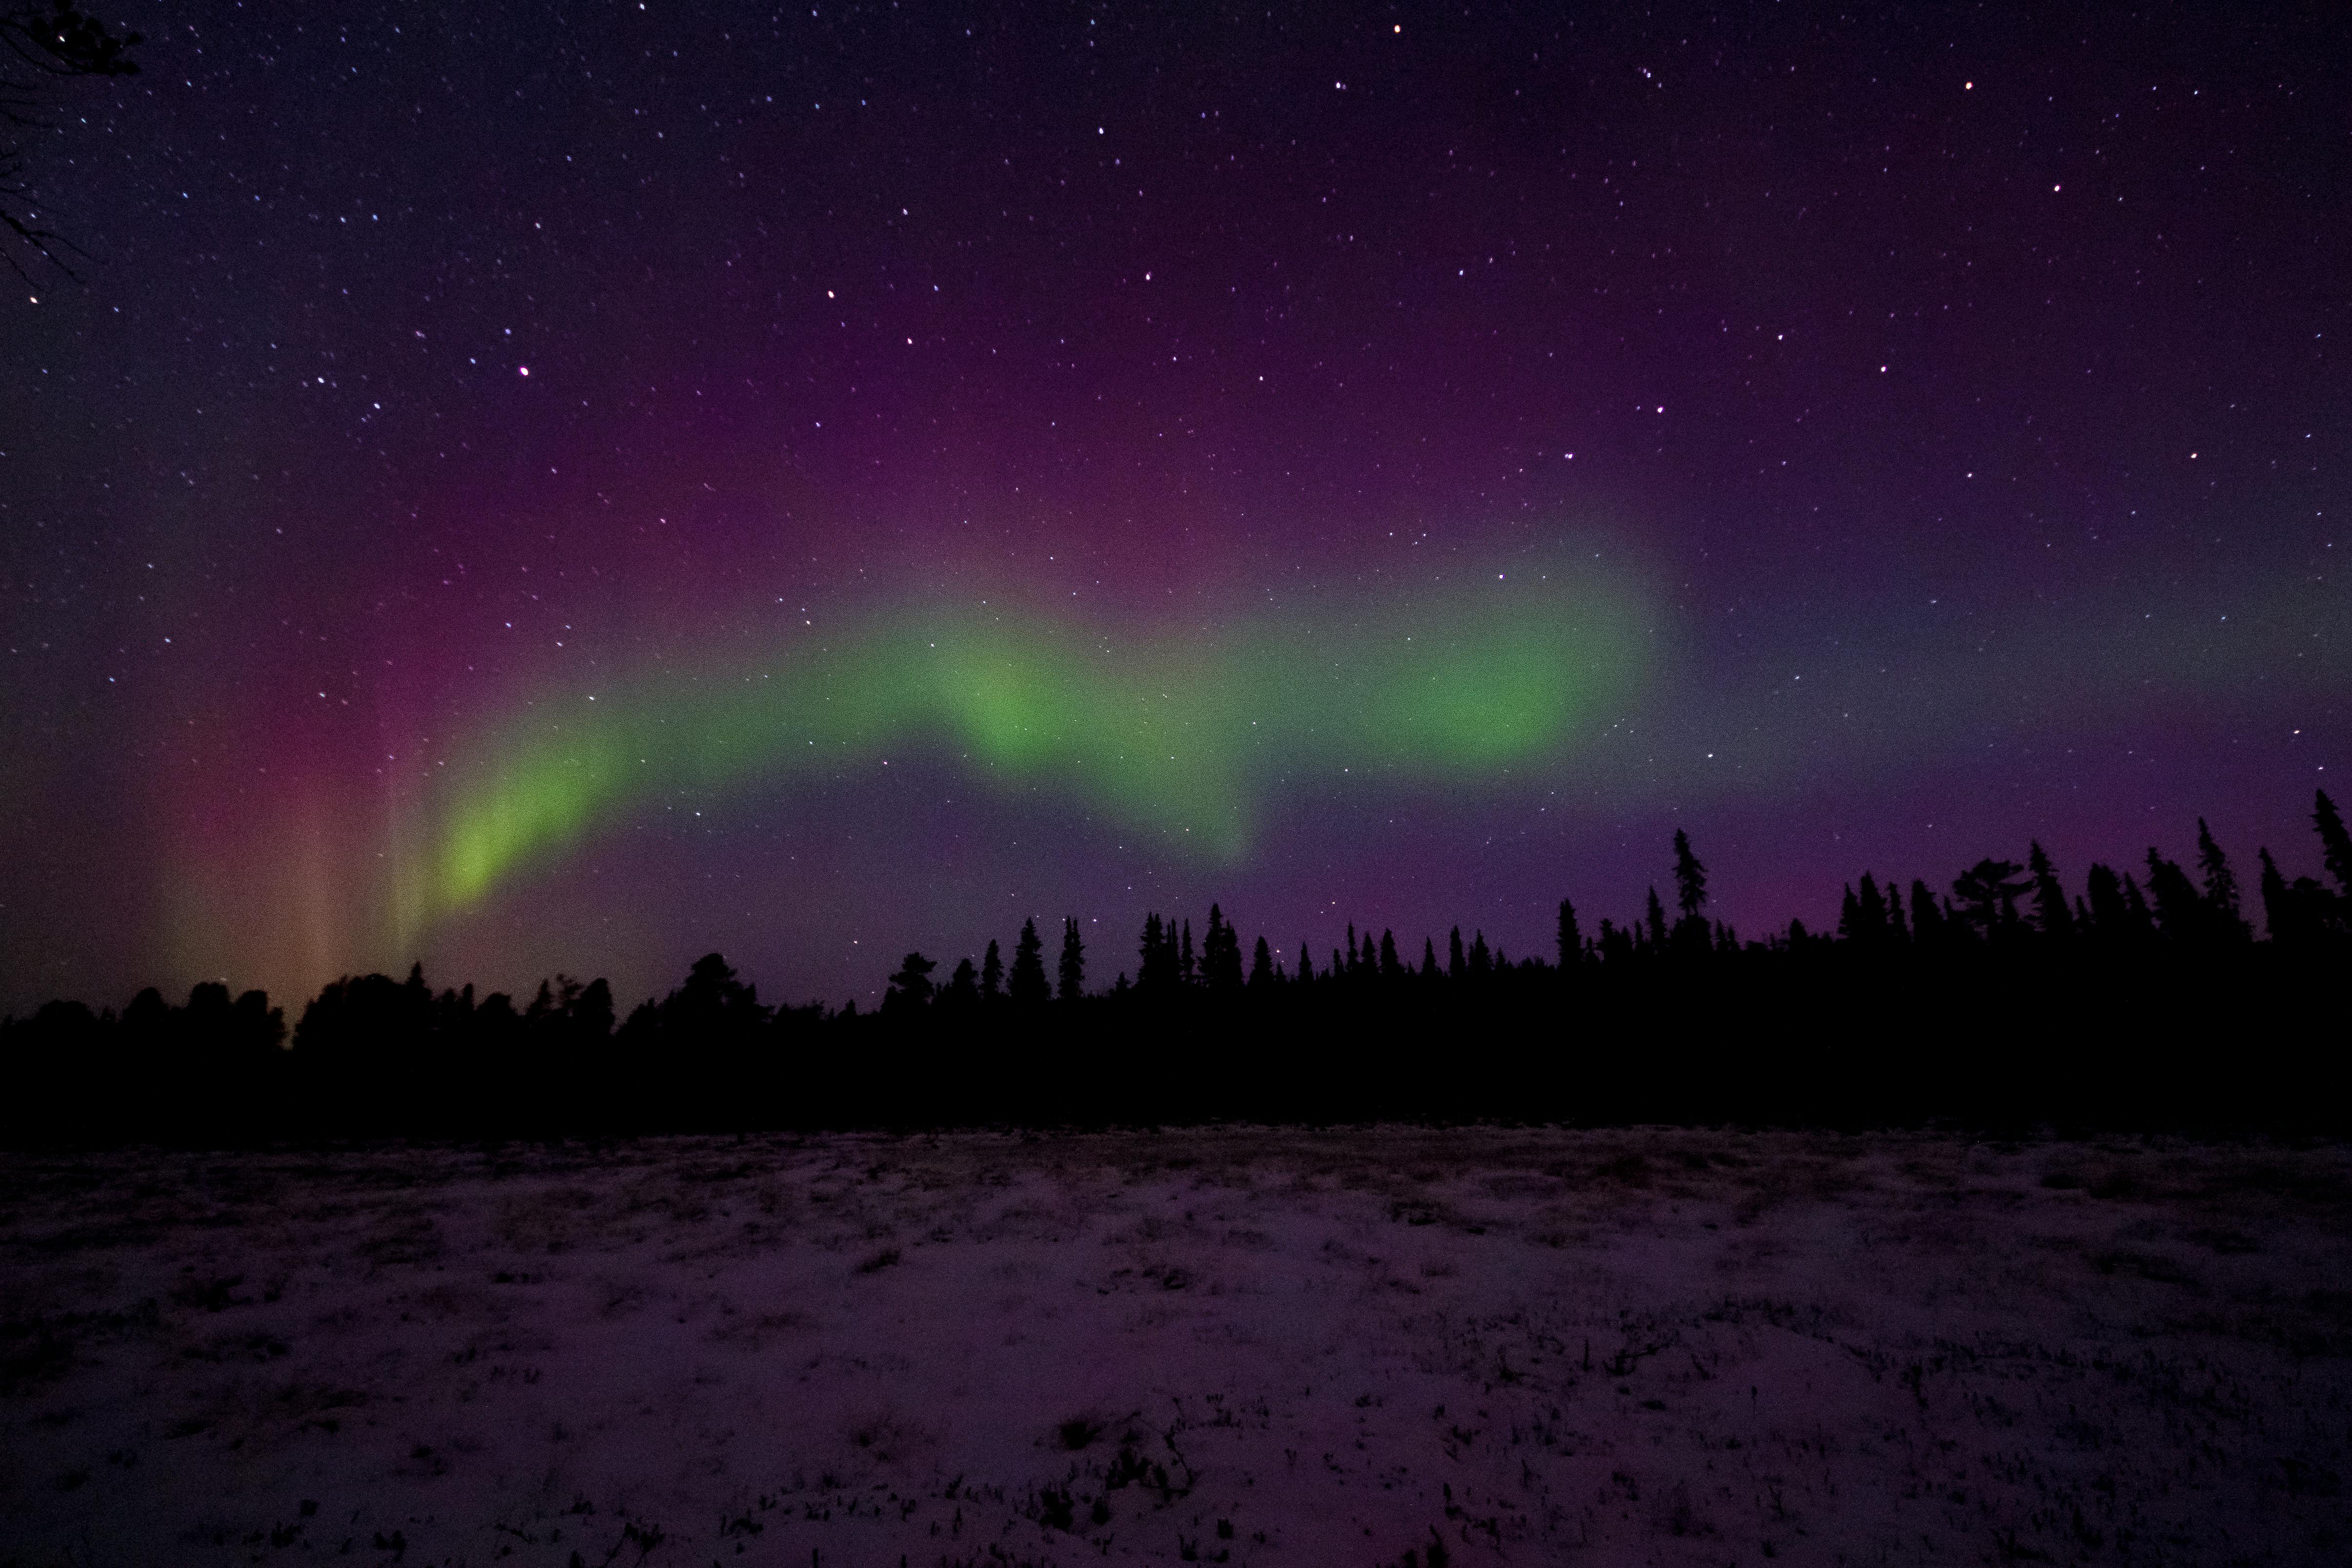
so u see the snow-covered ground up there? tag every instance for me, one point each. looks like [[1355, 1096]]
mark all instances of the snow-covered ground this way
[[1369, 1347]]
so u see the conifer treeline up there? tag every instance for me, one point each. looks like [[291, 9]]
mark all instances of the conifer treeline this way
[[2004, 999]]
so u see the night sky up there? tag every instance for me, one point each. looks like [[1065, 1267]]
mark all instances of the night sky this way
[[573, 489]]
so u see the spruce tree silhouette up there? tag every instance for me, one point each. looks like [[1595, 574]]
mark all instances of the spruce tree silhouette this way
[[1568, 939], [1028, 985], [992, 975], [1869, 909], [2221, 912], [1850, 920], [2181, 913], [961, 995], [2334, 840], [2276, 914], [2110, 914], [1155, 973], [591, 1016], [2052, 917], [543, 1009], [1073, 976], [1261, 975], [1221, 956], [1690, 895], [1457, 966], [1928, 931]]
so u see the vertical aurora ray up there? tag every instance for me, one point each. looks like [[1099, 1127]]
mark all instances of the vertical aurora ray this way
[[1184, 737]]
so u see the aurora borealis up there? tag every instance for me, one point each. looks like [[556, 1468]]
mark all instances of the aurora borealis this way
[[1177, 738], [571, 489]]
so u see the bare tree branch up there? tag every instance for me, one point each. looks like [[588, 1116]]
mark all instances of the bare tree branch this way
[[41, 48]]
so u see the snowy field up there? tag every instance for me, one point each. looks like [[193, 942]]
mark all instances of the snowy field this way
[[1373, 1347]]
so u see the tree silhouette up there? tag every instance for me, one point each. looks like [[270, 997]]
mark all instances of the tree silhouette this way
[[1988, 891], [1028, 983], [910, 988], [1690, 878], [2300, 913], [2278, 909], [1074, 962], [41, 48], [2180, 913], [713, 1006], [2110, 915], [2052, 918], [1155, 972], [2220, 889], [375, 1056], [1863, 917], [1221, 955], [1870, 909], [1927, 917], [2334, 841], [1570, 939]]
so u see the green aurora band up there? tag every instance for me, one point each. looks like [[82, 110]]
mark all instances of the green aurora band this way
[[1183, 736]]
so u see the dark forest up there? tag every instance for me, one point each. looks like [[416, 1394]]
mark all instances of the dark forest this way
[[2144, 999]]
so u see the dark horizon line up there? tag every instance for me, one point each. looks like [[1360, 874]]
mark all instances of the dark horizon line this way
[[2117, 909]]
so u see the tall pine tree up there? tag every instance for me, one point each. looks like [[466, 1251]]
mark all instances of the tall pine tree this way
[[1028, 983], [2222, 912], [2052, 918], [1221, 956], [1074, 962], [1690, 896], [2334, 841]]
